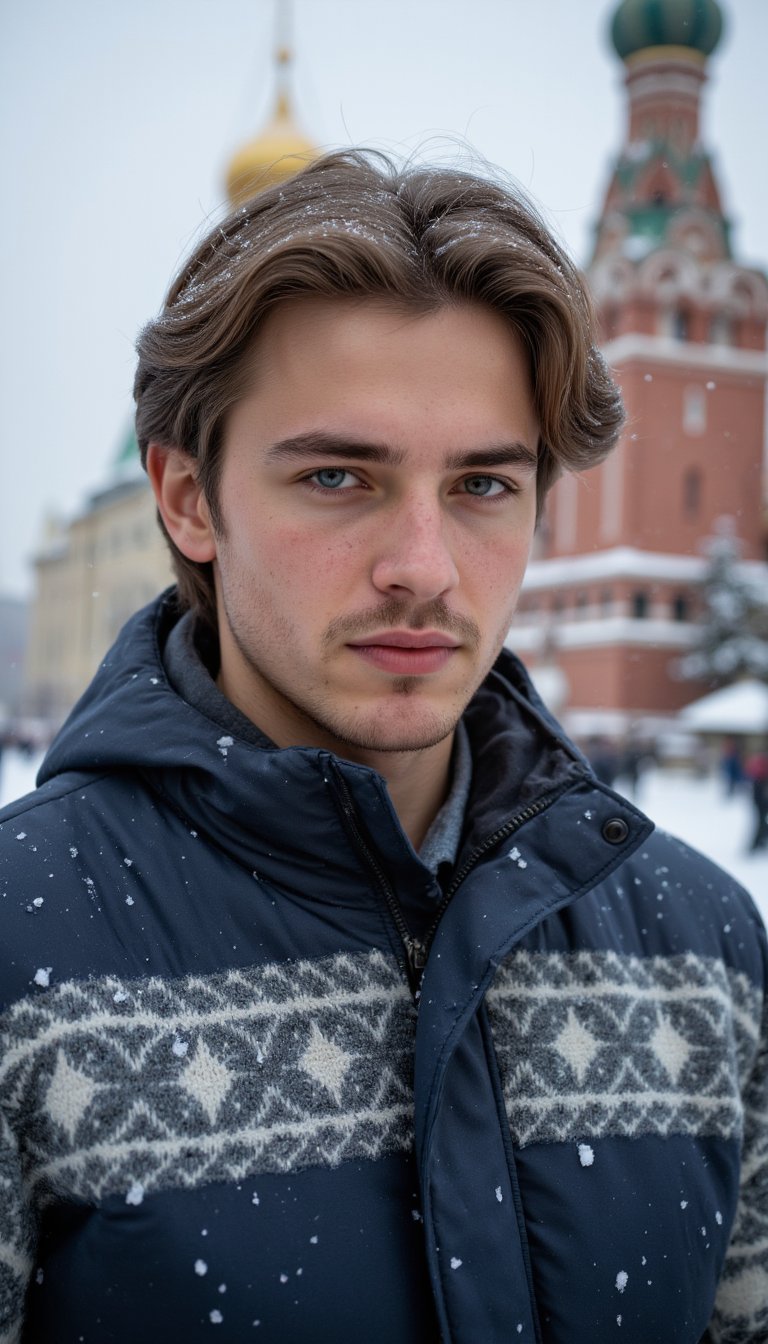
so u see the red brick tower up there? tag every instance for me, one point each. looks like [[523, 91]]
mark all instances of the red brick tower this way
[[611, 597]]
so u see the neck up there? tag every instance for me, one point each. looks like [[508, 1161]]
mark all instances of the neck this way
[[418, 783]]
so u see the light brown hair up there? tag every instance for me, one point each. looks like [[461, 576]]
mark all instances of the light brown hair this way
[[354, 224]]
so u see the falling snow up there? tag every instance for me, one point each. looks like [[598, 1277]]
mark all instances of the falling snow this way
[[686, 805], [586, 1155], [135, 1194], [622, 1278], [201, 1267], [43, 976], [456, 1263]]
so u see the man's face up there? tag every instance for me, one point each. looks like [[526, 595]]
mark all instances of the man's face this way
[[378, 500]]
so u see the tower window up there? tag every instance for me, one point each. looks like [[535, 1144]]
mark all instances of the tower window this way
[[694, 410], [680, 607], [692, 493], [610, 323], [640, 605]]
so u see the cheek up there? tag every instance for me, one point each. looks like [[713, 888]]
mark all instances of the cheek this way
[[299, 570], [500, 568]]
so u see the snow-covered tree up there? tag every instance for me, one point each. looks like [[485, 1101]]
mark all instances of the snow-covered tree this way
[[733, 640]]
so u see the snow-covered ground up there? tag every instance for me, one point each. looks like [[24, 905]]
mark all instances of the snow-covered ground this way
[[695, 809]]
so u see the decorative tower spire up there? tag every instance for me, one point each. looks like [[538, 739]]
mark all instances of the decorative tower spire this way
[[281, 149], [663, 187]]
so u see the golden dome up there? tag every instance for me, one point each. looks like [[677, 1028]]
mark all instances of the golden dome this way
[[277, 153]]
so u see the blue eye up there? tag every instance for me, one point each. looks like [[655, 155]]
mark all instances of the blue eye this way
[[483, 486], [330, 478]]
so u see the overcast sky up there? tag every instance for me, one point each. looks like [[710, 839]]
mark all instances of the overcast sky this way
[[118, 120]]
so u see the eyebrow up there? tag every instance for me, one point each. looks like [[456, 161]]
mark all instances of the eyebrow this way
[[323, 445]]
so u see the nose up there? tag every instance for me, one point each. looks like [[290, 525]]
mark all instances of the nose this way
[[414, 558]]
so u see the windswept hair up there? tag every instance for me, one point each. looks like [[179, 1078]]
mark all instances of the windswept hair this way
[[353, 224]]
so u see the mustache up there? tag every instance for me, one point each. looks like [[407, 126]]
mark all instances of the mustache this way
[[397, 614]]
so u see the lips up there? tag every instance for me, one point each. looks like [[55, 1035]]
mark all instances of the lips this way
[[406, 653], [407, 639]]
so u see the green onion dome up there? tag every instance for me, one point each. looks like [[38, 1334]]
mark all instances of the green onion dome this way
[[639, 24]]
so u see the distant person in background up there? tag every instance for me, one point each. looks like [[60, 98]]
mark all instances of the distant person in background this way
[[633, 757], [732, 765], [756, 772], [604, 759]]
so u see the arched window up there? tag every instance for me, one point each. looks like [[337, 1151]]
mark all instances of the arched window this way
[[681, 325]]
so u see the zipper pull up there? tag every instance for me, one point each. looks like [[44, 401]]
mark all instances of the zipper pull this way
[[417, 954]]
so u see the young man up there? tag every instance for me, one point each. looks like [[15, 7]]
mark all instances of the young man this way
[[342, 1002]]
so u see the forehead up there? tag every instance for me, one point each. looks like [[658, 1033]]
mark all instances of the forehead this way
[[371, 367]]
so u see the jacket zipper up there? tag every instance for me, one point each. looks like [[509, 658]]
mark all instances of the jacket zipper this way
[[417, 949], [490, 842]]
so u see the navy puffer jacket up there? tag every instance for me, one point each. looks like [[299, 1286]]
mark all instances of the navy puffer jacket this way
[[228, 1111]]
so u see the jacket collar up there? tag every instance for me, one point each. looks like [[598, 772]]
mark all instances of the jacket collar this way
[[279, 812]]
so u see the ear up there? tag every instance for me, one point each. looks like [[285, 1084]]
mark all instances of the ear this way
[[181, 502]]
